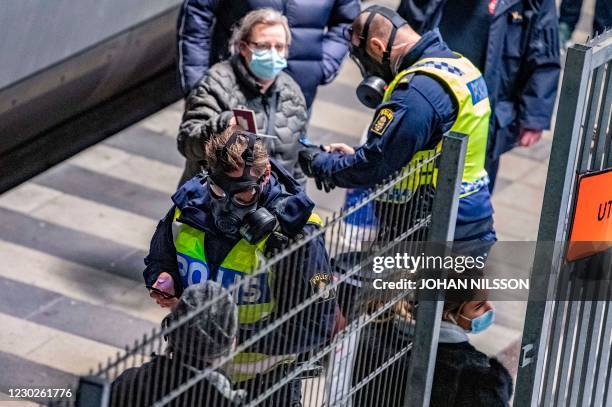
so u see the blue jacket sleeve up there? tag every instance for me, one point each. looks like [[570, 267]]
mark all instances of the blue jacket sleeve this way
[[335, 47], [421, 113], [162, 255], [194, 32], [541, 70]]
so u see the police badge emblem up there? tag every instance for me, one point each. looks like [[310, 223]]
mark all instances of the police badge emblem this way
[[319, 283], [382, 121]]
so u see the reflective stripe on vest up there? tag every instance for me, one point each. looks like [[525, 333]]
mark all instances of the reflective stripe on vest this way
[[466, 84], [247, 365], [255, 300]]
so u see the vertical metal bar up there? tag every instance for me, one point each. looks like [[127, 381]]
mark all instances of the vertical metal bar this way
[[553, 360], [552, 227], [608, 388], [601, 371], [591, 354], [603, 122], [590, 119], [566, 352], [445, 205], [582, 347]]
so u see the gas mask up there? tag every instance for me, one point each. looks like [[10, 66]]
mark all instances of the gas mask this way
[[234, 200], [376, 75]]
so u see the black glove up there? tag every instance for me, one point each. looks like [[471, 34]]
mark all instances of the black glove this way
[[275, 243], [305, 158], [327, 185]]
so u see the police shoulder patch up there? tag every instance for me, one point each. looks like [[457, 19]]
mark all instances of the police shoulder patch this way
[[382, 121], [320, 284]]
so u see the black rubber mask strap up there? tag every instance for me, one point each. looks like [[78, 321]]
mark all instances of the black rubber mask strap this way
[[396, 20], [387, 53], [248, 154], [363, 38]]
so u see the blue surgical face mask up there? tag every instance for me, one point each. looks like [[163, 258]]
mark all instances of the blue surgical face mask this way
[[482, 322], [267, 64]]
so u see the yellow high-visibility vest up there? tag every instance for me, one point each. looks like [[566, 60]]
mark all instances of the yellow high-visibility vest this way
[[255, 300], [468, 88]]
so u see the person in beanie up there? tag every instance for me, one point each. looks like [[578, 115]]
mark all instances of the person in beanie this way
[[208, 334]]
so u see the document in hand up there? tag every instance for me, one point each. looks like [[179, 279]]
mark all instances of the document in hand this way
[[245, 119]]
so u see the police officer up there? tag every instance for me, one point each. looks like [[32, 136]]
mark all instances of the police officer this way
[[421, 90], [514, 44], [220, 228]]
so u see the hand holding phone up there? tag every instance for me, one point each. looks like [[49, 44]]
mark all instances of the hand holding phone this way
[[162, 291]]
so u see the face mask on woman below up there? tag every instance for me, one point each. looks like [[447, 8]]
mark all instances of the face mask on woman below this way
[[482, 322], [266, 64]]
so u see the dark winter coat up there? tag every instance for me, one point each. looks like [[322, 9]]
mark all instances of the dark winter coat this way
[[144, 385], [286, 200], [280, 112], [316, 52], [521, 69], [463, 376]]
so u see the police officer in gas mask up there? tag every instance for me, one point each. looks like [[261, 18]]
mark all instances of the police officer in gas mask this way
[[222, 227], [420, 90]]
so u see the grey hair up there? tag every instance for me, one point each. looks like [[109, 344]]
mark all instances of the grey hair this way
[[266, 16]]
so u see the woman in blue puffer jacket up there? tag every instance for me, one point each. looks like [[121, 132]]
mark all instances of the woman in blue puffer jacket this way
[[318, 48]]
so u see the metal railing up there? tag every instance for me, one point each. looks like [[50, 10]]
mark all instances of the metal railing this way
[[565, 358], [315, 340]]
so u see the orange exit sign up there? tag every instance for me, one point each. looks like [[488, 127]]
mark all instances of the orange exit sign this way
[[591, 231]]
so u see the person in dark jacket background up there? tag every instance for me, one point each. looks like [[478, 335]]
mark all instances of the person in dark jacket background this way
[[463, 376], [251, 79], [569, 14], [219, 228], [192, 349], [515, 44], [204, 30]]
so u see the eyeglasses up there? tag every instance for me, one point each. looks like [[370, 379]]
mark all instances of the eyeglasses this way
[[266, 46], [240, 198]]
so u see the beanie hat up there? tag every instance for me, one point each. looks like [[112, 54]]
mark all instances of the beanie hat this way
[[209, 333]]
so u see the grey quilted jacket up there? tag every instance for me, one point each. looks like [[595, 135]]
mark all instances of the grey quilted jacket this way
[[280, 112]]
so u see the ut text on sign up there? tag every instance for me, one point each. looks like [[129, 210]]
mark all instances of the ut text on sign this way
[[591, 231]]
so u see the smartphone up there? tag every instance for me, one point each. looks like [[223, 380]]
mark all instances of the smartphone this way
[[307, 143], [164, 294]]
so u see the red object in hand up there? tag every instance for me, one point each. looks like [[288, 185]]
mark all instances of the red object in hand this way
[[163, 291]]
